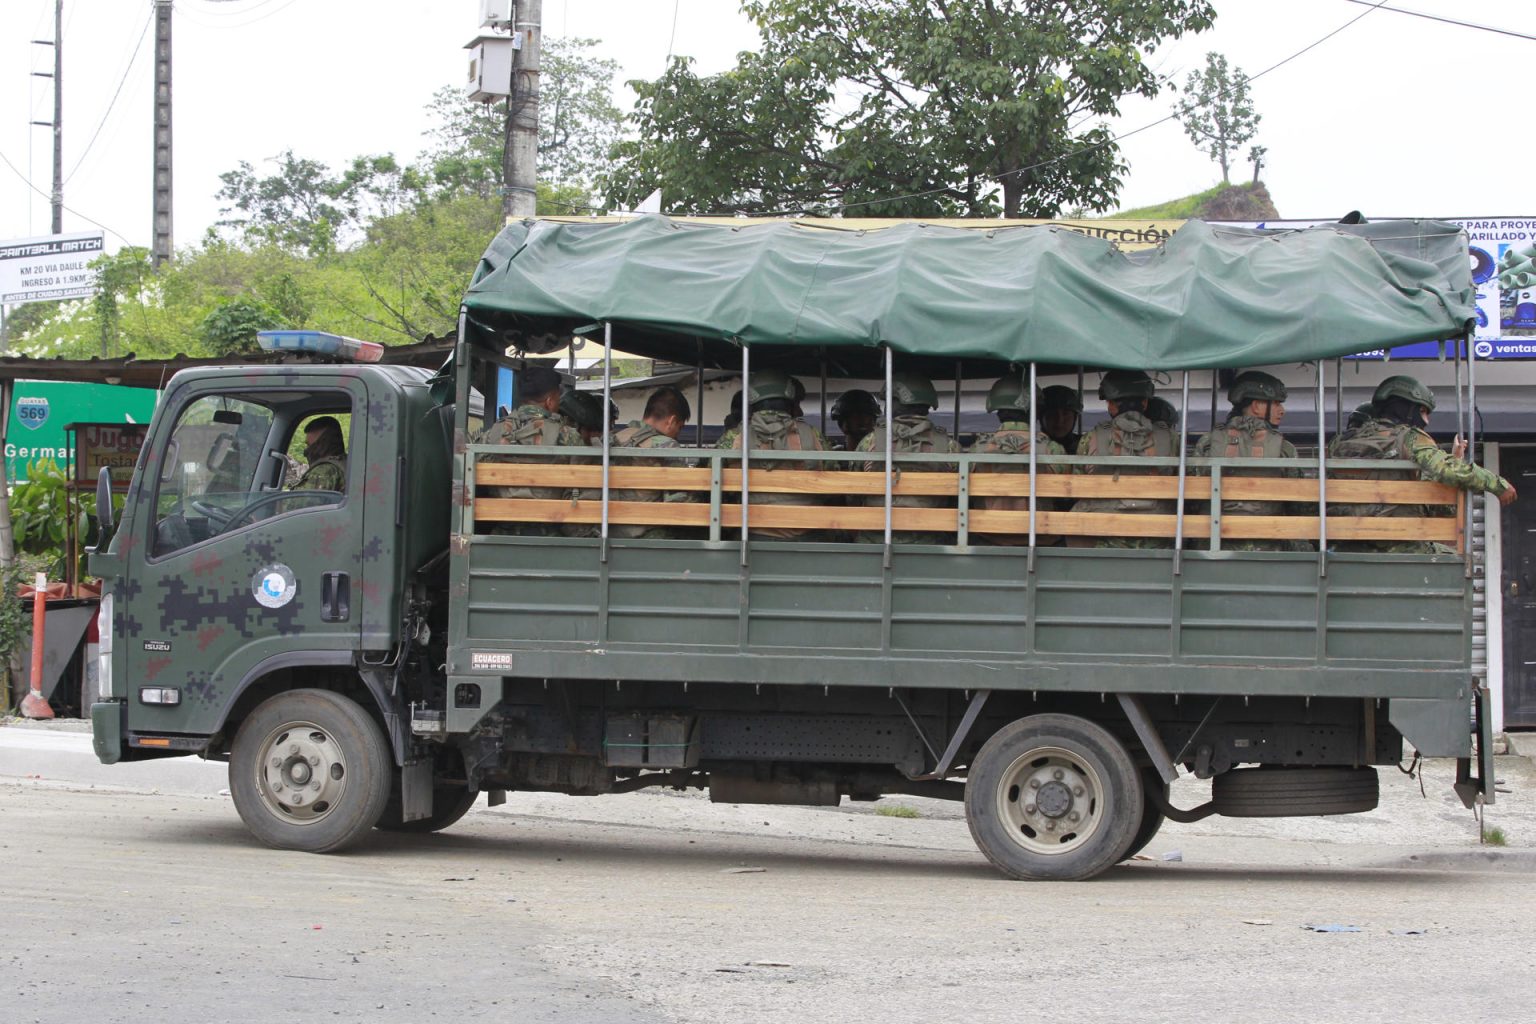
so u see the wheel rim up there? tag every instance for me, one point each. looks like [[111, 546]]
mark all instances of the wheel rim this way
[[302, 774], [1052, 800]]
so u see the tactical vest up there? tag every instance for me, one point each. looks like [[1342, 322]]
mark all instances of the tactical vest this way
[[909, 434], [1375, 439], [1129, 433], [317, 477], [636, 435], [779, 432], [1013, 439], [1242, 440]]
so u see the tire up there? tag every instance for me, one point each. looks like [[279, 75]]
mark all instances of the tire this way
[[1151, 815], [449, 804], [309, 770], [1083, 772], [1295, 792]]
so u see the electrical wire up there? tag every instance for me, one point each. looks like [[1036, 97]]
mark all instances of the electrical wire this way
[[1452, 21], [830, 207], [672, 39], [216, 8], [90, 220], [113, 102]]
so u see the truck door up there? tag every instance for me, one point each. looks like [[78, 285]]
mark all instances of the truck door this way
[[238, 565]]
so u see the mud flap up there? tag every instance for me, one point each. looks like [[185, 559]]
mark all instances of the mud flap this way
[[1479, 788]]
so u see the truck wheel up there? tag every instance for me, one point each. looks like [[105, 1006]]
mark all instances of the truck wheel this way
[[1053, 797], [1295, 792], [449, 804], [309, 770], [1151, 815]]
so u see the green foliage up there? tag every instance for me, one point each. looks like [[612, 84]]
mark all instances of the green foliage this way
[[1174, 209], [1494, 836], [231, 328], [15, 622], [897, 811], [39, 511], [1217, 112], [851, 102]]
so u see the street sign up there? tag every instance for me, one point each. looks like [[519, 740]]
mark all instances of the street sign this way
[[41, 410], [48, 268]]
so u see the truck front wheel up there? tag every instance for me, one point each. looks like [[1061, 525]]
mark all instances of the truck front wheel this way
[[310, 770], [1053, 797]]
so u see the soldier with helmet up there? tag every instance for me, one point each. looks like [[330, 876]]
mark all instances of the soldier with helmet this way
[[855, 412], [1128, 432], [1164, 412], [666, 413], [1252, 431], [912, 397], [773, 425], [534, 421], [1060, 409], [583, 411], [1009, 399], [1396, 431]]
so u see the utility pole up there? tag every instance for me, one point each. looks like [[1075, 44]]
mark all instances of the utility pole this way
[[520, 155], [58, 113], [160, 247]]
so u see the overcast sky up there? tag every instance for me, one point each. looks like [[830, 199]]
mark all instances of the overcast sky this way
[[1395, 115]]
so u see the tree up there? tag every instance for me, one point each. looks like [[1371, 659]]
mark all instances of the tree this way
[[894, 108], [1217, 112], [305, 206]]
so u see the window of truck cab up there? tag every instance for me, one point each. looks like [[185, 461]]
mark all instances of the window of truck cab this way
[[233, 460]]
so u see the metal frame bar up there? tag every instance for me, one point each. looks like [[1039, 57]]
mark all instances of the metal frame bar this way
[[745, 429], [959, 370], [1178, 520], [1322, 477], [967, 721], [890, 456], [607, 425], [1033, 498], [698, 408]]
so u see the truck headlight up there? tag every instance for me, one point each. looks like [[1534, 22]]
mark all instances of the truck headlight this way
[[104, 647]]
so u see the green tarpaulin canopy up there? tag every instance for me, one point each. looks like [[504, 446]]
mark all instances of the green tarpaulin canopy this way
[[1213, 296]]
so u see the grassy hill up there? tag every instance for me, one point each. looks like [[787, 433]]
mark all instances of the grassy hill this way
[[1222, 202]]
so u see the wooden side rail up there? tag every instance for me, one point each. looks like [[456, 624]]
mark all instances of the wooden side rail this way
[[983, 483]]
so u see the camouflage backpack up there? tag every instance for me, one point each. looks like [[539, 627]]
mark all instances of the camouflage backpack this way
[[1379, 440]]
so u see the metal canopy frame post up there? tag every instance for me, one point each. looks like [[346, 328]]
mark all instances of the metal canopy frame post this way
[[890, 401], [959, 370], [1471, 436], [823, 393], [1461, 420], [698, 407], [744, 435], [1322, 476], [1033, 499], [1178, 521], [607, 424]]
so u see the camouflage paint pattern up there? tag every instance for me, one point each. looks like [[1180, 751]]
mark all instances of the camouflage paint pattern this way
[[1251, 437], [529, 425], [1129, 433], [909, 434], [1012, 438], [779, 431]]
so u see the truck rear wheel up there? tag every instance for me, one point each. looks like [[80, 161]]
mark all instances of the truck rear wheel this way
[[1152, 816], [309, 770], [1053, 797], [1295, 792]]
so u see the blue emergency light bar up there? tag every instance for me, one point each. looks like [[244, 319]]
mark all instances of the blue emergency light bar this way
[[320, 343]]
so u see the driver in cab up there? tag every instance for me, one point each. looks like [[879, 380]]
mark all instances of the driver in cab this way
[[326, 454]]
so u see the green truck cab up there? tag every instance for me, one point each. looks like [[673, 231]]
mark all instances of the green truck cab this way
[[381, 655]]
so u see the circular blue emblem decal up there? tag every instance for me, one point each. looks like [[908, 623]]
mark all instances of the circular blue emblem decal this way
[[274, 586]]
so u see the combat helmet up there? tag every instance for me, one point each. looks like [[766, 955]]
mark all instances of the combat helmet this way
[[908, 388], [583, 409], [1121, 384], [768, 384], [1160, 410], [1010, 392], [855, 402], [1059, 396], [1255, 386], [1404, 387]]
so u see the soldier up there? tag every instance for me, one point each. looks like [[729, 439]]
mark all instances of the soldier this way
[[1060, 409], [733, 418], [912, 396], [1163, 412], [1252, 431], [326, 454], [534, 420], [1363, 412], [1128, 432], [1009, 399], [773, 426], [855, 412], [583, 411], [1396, 431], [666, 413]]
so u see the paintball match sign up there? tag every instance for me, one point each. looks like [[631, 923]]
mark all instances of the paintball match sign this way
[[48, 268]]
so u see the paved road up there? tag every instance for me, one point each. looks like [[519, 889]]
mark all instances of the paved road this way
[[158, 906]]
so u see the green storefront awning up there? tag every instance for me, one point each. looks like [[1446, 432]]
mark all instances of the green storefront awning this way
[[1214, 296]]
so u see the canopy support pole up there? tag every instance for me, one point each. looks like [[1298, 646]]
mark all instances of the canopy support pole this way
[[1338, 397], [1178, 522], [1322, 477], [1033, 500], [744, 436], [1471, 436], [607, 423], [959, 368], [698, 405], [1461, 419], [890, 401], [1215, 392], [1077, 422], [823, 423]]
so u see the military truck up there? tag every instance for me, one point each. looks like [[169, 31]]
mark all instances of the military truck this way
[[377, 657]]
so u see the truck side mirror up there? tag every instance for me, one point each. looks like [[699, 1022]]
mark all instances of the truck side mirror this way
[[104, 507]]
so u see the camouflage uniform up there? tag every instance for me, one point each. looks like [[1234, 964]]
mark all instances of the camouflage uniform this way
[[635, 435], [1384, 439], [1250, 437], [1012, 438], [328, 473], [908, 434], [1129, 433], [529, 424], [778, 431]]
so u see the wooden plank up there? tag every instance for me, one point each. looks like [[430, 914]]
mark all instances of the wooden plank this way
[[942, 520], [983, 484]]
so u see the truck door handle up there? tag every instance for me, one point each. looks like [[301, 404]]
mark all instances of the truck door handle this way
[[335, 597]]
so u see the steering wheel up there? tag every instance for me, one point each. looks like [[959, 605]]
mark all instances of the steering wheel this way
[[249, 509], [217, 516]]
